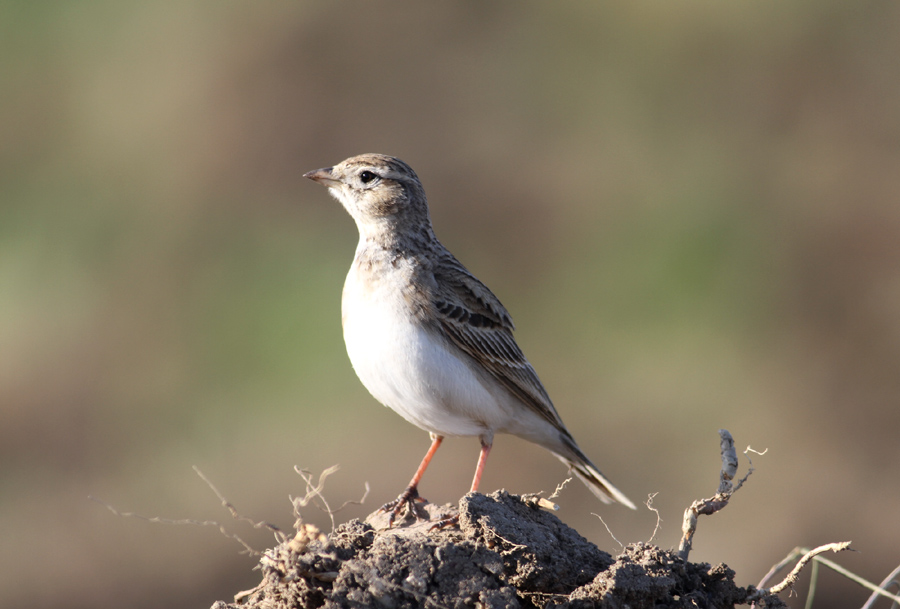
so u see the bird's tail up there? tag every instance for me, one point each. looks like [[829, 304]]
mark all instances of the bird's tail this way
[[593, 479]]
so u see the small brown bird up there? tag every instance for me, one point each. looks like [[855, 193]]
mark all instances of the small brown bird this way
[[427, 338]]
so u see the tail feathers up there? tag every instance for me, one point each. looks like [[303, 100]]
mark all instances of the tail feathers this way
[[596, 482]]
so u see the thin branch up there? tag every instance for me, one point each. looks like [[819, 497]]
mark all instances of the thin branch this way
[[262, 524], [813, 582], [882, 588], [876, 590], [781, 565], [706, 507], [729, 462], [791, 579], [649, 504], [622, 545], [535, 499], [559, 488], [750, 468], [314, 491], [859, 580], [187, 521]]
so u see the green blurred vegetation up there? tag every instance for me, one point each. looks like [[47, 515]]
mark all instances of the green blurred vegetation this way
[[691, 210]]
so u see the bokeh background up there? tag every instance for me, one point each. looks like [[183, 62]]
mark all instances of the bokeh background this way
[[691, 209]]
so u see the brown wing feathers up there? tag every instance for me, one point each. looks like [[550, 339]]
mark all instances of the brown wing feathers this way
[[481, 327]]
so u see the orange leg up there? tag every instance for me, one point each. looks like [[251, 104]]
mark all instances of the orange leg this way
[[408, 497], [482, 459], [435, 444], [479, 469]]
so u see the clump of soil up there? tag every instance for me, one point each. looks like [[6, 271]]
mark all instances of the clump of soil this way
[[506, 553]]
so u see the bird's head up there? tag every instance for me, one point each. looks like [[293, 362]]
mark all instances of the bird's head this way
[[380, 192]]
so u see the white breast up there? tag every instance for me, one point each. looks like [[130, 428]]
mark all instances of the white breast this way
[[409, 368]]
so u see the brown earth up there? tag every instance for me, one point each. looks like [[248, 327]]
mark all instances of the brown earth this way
[[506, 552]]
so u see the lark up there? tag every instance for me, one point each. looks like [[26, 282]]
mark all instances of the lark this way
[[428, 339]]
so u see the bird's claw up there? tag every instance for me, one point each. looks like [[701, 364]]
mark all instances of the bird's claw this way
[[445, 523], [405, 503]]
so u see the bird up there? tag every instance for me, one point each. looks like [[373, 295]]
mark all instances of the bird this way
[[428, 339]]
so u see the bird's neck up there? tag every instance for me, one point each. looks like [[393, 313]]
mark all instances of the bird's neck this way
[[388, 235]]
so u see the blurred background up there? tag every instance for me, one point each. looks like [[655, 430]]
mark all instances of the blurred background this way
[[691, 209]]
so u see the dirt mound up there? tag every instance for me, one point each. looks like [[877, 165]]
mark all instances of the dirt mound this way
[[506, 553]]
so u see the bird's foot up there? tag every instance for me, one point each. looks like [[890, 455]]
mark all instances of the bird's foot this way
[[405, 504], [445, 523]]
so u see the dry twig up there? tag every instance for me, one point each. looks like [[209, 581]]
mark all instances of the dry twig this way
[[649, 504], [876, 589], [882, 589], [559, 488], [791, 579], [262, 524], [718, 501], [608, 530], [314, 491]]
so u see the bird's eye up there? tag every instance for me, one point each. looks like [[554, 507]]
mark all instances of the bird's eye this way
[[367, 176]]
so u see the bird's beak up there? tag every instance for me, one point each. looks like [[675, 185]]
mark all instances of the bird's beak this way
[[323, 177]]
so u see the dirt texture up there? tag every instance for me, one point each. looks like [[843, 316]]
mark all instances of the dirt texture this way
[[506, 552]]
